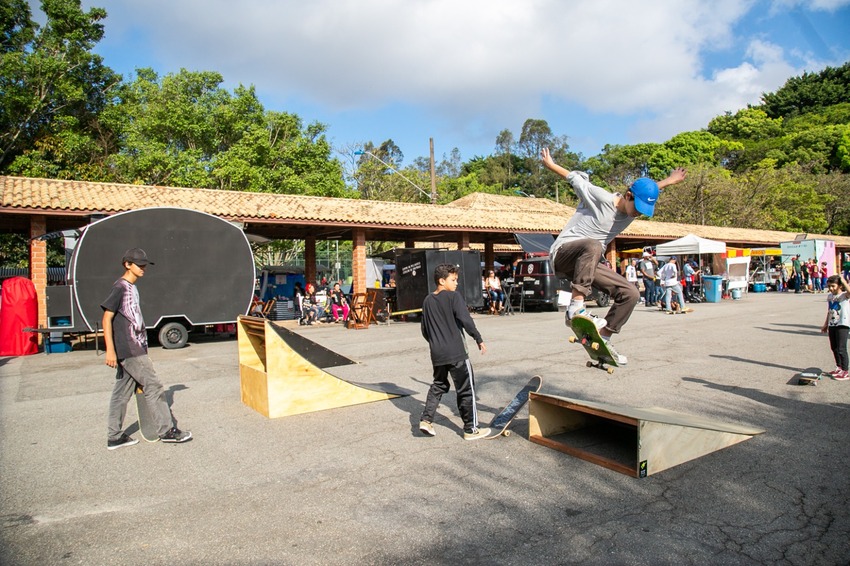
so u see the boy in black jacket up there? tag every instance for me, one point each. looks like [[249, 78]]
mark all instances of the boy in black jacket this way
[[444, 317]]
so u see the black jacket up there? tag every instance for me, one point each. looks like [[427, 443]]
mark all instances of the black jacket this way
[[444, 317]]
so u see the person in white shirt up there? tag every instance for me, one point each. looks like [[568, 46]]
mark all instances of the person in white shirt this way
[[631, 274], [669, 275], [837, 324]]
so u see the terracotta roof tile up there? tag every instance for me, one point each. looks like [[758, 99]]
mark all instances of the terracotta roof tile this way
[[478, 211]]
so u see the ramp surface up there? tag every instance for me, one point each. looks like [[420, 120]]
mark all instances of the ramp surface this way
[[633, 441], [280, 373]]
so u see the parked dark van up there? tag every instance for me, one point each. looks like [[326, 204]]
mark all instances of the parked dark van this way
[[539, 285], [537, 282]]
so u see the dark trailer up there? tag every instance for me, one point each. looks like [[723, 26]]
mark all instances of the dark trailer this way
[[203, 274], [414, 272]]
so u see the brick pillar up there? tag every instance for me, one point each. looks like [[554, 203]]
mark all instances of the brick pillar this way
[[463, 241], [310, 260], [38, 266], [489, 255], [611, 255], [358, 262]]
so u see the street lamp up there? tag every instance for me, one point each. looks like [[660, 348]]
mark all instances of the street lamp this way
[[433, 197]]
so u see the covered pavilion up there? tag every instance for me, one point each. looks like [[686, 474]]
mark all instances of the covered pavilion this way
[[35, 207]]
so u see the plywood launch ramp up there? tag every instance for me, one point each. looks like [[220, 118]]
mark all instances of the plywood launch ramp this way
[[633, 441], [282, 373]]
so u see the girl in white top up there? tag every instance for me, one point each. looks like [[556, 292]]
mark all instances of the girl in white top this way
[[837, 324]]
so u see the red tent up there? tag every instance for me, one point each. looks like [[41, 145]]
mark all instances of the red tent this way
[[18, 310]]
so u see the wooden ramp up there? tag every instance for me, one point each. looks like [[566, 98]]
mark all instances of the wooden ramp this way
[[282, 373], [635, 442]]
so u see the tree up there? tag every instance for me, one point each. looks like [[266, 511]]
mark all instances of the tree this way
[[809, 92], [52, 86]]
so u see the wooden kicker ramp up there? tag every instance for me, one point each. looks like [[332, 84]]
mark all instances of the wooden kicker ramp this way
[[282, 373], [634, 441]]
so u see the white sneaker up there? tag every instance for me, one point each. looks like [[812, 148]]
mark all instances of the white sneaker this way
[[600, 323], [476, 434], [621, 359], [426, 428]]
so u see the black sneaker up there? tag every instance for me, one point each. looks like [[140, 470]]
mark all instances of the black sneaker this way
[[176, 435], [121, 442]]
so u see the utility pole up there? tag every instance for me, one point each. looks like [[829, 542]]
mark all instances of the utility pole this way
[[433, 175]]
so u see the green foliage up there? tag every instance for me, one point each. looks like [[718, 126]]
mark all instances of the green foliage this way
[[52, 87], [809, 92], [14, 251]]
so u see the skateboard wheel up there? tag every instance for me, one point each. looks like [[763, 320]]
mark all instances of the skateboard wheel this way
[[590, 364], [610, 370], [595, 345], [506, 432], [572, 339]]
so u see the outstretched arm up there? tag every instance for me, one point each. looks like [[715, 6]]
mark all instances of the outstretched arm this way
[[677, 175], [550, 163]]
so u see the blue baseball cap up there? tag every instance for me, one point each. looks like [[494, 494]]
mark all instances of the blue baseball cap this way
[[645, 191]]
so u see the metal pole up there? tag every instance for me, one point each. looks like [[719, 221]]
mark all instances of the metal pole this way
[[433, 175]]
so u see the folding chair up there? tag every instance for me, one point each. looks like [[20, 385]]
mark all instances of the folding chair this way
[[360, 313]]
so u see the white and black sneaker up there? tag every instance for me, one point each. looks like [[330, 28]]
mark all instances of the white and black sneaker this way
[[600, 323], [121, 442], [176, 435], [621, 359]]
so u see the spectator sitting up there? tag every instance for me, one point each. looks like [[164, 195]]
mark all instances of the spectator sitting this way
[[314, 310], [497, 295], [338, 303]]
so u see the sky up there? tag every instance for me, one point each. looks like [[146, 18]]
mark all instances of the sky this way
[[461, 71]]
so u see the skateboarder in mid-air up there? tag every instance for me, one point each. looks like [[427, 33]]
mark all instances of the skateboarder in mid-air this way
[[126, 341], [444, 318], [599, 218]]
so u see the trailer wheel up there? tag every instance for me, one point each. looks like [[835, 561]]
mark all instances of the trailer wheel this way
[[173, 335]]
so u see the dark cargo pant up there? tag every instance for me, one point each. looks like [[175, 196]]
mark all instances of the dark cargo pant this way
[[464, 380], [578, 261]]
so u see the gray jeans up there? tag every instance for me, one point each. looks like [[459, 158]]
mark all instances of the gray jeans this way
[[578, 261], [668, 292], [131, 371]]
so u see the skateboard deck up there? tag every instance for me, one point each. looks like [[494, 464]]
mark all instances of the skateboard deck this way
[[499, 424], [809, 378], [588, 336], [147, 428]]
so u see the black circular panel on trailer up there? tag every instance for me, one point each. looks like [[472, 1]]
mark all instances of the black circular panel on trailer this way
[[204, 268]]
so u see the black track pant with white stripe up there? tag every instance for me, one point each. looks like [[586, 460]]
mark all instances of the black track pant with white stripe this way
[[464, 381]]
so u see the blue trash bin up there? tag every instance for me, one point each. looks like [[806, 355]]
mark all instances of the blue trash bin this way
[[712, 286]]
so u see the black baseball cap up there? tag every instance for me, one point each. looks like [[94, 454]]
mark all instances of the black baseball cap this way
[[137, 256]]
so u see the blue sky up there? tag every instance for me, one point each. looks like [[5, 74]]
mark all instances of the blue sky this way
[[460, 71]]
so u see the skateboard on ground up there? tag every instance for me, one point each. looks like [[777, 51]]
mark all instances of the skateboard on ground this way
[[588, 336], [500, 423], [147, 428], [809, 378]]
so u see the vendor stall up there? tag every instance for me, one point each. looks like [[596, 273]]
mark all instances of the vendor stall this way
[[691, 245]]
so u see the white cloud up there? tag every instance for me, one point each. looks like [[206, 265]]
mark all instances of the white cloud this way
[[472, 63]]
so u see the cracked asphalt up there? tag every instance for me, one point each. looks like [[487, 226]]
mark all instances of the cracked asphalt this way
[[359, 485]]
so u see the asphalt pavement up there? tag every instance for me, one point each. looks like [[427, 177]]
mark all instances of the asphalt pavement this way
[[360, 485]]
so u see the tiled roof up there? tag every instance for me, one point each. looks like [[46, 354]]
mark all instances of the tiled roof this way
[[476, 212], [78, 196]]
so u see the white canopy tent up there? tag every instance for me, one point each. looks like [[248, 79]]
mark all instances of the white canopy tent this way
[[690, 245]]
